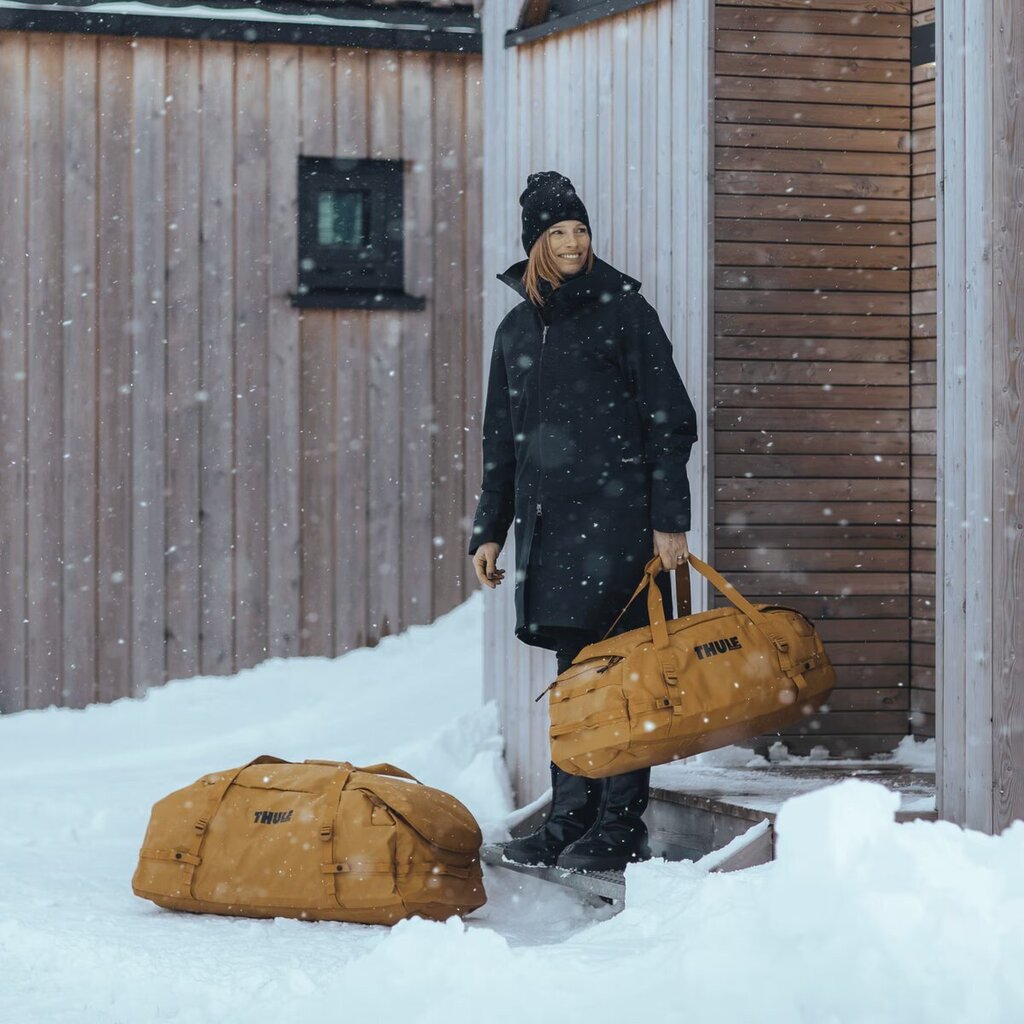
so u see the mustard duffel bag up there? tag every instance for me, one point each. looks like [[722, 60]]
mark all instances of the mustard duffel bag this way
[[321, 840], [677, 688]]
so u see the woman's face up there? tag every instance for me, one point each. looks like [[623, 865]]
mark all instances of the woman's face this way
[[570, 243]]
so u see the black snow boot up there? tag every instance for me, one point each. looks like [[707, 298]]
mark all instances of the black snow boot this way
[[574, 804], [619, 836]]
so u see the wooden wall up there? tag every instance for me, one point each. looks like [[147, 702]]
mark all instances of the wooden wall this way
[[980, 452], [815, 402], [632, 135], [194, 476], [922, 390]]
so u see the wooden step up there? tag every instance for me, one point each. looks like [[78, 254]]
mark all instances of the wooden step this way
[[724, 817], [752, 847], [597, 886]]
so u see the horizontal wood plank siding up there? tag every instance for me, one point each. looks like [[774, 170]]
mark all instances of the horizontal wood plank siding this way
[[923, 395], [196, 475], [813, 303]]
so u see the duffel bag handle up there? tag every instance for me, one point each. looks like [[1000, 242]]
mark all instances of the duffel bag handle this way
[[730, 593], [682, 595], [656, 608], [381, 768], [656, 617], [389, 769]]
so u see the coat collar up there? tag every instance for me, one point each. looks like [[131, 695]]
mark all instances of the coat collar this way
[[580, 290]]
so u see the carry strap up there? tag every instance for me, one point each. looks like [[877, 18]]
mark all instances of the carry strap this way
[[381, 768], [656, 614], [192, 854], [727, 590], [659, 629], [329, 865], [683, 598]]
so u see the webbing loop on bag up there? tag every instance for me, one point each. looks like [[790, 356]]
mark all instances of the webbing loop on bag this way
[[149, 853], [216, 793], [367, 867], [328, 862]]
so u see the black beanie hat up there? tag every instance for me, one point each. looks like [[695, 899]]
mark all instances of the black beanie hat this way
[[548, 198]]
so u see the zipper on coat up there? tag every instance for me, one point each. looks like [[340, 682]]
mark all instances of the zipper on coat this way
[[540, 403]]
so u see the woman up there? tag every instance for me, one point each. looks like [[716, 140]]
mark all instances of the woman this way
[[587, 432]]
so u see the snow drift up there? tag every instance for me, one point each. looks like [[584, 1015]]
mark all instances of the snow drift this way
[[859, 919]]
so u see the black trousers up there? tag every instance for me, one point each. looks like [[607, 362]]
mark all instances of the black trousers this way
[[569, 643]]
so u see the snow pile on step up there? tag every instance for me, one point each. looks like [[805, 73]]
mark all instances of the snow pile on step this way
[[859, 919]]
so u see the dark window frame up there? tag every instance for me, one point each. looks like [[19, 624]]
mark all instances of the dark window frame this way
[[367, 277]]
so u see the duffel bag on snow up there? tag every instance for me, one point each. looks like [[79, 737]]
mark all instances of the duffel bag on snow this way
[[677, 688], [320, 840]]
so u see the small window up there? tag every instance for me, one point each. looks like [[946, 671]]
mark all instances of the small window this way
[[351, 235]]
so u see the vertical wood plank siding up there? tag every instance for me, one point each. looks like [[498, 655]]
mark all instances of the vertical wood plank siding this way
[[979, 506], [78, 517], [813, 394], [45, 353], [922, 390], [13, 373], [195, 476], [1007, 384], [632, 135], [183, 362]]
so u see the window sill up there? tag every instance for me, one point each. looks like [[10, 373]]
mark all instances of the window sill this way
[[353, 299]]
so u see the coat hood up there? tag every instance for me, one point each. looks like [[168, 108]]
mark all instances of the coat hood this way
[[579, 290]]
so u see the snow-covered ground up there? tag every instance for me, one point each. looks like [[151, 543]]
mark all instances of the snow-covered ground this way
[[859, 919]]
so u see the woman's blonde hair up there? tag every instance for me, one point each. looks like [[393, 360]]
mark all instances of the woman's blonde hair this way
[[542, 263]]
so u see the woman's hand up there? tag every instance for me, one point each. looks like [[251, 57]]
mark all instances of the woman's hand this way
[[483, 561], [672, 547]]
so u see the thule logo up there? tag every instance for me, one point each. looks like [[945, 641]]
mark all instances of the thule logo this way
[[270, 817], [729, 643]]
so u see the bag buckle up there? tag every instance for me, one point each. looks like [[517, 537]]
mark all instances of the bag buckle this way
[[326, 831], [201, 826]]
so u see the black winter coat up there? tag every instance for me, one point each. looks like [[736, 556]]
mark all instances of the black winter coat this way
[[586, 435]]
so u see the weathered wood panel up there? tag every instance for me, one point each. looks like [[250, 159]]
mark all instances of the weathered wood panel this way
[[449, 364], [1008, 440], [351, 523], [113, 568], [319, 401], [283, 440], [417, 438], [79, 372], [45, 352], [13, 401], [212, 488], [384, 93], [979, 718], [472, 351], [149, 366], [251, 341], [217, 509], [184, 407]]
